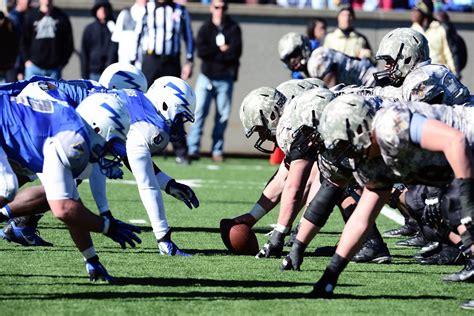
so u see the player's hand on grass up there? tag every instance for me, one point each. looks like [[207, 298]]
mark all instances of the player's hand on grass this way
[[183, 193], [97, 271], [121, 232]]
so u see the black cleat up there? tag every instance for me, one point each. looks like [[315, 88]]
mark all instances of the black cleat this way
[[417, 241], [406, 230], [373, 250], [466, 274], [447, 255]]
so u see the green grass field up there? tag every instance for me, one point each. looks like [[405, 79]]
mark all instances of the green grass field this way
[[53, 281]]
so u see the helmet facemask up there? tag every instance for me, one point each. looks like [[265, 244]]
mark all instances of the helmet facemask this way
[[264, 134], [391, 75]]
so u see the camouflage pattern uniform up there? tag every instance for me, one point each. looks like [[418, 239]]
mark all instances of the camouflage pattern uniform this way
[[402, 161], [427, 82], [348, 70]]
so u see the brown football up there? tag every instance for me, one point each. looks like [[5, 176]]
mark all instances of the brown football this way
[[243, 240]]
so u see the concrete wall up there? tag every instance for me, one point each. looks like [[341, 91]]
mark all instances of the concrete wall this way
[[262, 27]]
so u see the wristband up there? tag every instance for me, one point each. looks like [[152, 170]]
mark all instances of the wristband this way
[[105, 225], [163, 179]]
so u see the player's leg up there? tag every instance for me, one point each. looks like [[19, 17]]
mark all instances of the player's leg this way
[[290, 204]]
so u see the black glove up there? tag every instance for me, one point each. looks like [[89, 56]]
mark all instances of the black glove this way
[[432, 215], [121, 232], [183, 193]]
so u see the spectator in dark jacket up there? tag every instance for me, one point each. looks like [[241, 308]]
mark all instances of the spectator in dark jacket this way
[[17, 16], [46, 42], [96, 41], [9, 49], [219, 45]]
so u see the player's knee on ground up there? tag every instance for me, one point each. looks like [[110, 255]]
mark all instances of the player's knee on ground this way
[[323, 203]]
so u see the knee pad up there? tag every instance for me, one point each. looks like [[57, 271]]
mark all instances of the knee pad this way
[[8, 185], [323, 203]]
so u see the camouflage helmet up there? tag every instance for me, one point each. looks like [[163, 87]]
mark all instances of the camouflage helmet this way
[[402, 49], [293, 45], [320, 62], [260, 112], [305, 113], [345, 127], [307, 108], [293, 87]]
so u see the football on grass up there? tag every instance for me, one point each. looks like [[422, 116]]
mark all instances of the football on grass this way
[[239, 238]]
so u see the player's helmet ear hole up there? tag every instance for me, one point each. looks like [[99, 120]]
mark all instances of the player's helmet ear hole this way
[[359, 129], [165, 106], [97, 130], [407, 60], [272, 116]]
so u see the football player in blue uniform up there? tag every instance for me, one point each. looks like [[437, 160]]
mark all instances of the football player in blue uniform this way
[[55, 142]]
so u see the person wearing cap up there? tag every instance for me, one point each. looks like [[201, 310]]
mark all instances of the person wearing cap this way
[[345, 38], [426, 24], [96, 41]]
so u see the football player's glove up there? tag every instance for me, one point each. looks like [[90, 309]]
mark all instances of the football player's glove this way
[[294, 260], [273, 247], [183, 193], [121, 232], [113, 172], [432, 215], [97, 271], [324, 288]]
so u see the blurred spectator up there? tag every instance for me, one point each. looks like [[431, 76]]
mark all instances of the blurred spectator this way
[[455, 41], [219, 45], [345, 38], [9, 50], [126, 38], [46, 42], [17, 16], [424, 22], [458, 5], [167, 23], [96, 41], [316, 31]]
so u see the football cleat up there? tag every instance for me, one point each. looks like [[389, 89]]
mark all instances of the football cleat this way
[[446, 255], [469, 305], [97, 271], [169, 248], [407, 230], [466, 274], [418, 241], [26, 236], [373, 250]]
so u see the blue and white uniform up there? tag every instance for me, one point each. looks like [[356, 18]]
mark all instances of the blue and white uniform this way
[[42, 136], [149, 133]]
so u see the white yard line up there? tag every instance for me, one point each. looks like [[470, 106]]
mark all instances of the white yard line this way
[[393, 215]]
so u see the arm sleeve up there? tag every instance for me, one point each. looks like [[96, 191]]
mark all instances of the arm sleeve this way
[[416, 128], [140, 161], [97, 183]]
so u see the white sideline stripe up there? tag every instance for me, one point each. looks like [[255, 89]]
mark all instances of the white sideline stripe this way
[[212, 167], [195, 183], [137, 221], [394, 216]]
